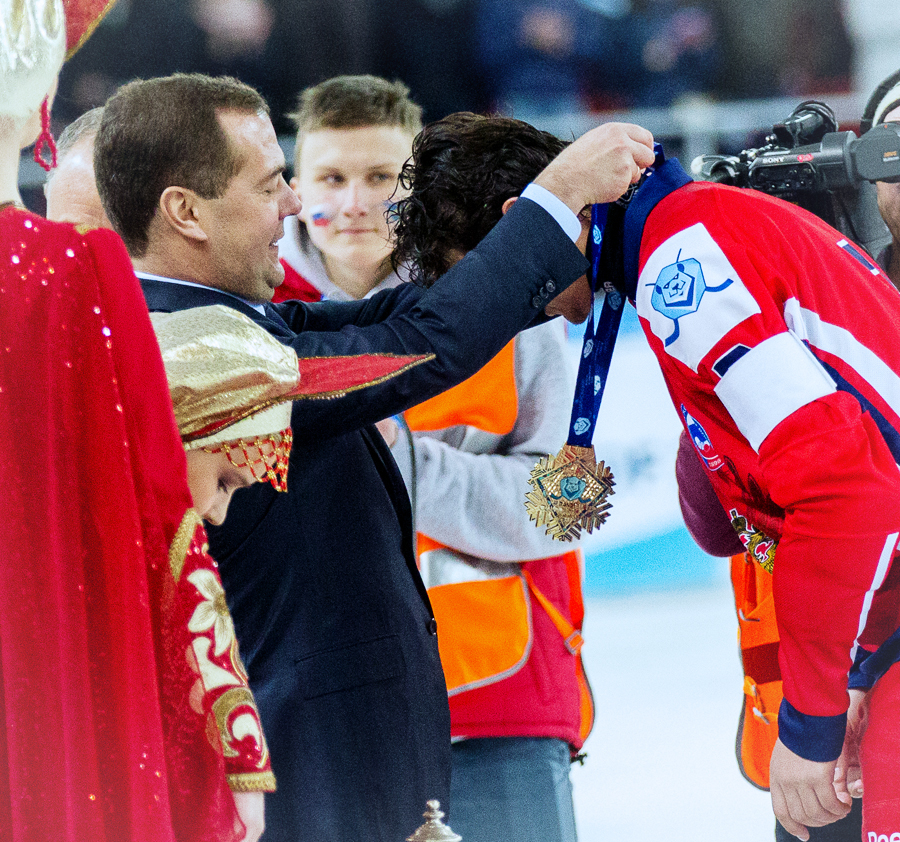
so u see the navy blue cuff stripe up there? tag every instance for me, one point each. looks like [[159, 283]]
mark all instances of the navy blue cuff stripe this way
[[859, 678], [729, 358], [818, 738]]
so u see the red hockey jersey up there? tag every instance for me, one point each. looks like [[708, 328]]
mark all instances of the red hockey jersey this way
[[780, 345]]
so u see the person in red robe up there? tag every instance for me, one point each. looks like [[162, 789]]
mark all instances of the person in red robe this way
[[110, 731]]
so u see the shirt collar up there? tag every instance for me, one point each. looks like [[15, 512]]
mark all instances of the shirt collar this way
[[147, 276]]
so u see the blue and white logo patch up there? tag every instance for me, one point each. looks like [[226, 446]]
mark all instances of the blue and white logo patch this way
[[679, 290], [581, 426], [613, 296], [691, 295]]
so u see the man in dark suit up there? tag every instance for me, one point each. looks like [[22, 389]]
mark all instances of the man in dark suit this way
[[333, 621]]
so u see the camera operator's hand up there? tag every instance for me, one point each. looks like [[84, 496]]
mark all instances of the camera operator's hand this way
[[599, 166], [803, 792]]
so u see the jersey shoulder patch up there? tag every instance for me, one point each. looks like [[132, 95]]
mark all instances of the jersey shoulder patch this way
[[691, 295]]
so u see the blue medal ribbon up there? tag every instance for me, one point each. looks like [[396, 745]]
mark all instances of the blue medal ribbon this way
[[599, 341]]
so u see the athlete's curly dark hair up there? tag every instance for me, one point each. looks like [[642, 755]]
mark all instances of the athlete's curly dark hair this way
[[463, 168]]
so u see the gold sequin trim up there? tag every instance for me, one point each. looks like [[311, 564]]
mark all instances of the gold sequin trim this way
[[181, 543], [251, 782]]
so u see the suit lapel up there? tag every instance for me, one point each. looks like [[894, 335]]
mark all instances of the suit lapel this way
[[390, 475], [165, 297], [275, 317]]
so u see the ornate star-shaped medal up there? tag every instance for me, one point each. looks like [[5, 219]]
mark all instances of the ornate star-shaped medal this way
[[569, 493]]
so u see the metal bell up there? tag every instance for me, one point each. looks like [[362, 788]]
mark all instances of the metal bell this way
[[434, 830]]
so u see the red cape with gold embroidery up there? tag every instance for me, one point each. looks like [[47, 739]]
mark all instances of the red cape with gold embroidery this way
[[99, 739]]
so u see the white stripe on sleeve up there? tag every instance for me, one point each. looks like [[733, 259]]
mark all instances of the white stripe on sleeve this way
[[769, 383], [884, 563]]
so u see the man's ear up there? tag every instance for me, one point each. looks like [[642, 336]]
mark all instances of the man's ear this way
[[508, 204], [180, 209]]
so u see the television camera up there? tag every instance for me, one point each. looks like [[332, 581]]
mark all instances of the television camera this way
[[831, 173]]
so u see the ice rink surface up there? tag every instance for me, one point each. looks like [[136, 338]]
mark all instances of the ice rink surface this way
[[666, 681]]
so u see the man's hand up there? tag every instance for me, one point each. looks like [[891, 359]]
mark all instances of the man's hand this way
[[599, 166], [803, 793], [847, 773], [251, 810]]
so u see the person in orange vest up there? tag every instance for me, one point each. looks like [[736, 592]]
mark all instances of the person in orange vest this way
[[507, 600]]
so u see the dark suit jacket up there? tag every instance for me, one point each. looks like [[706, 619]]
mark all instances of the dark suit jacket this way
[[333, 620]]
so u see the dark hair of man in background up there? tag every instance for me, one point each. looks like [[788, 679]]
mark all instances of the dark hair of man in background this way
[[463, 168], [142, 149]]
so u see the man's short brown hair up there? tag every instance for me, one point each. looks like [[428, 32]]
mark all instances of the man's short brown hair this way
[[352, 102], [165, 132]]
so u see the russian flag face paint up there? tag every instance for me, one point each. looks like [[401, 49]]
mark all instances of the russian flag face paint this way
[[321, 215]]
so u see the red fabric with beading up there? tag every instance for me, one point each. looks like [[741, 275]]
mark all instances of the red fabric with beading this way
[[98, 739]]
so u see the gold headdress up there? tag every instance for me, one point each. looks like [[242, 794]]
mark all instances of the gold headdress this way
[[232, 383], [35, 36], [32, 45]]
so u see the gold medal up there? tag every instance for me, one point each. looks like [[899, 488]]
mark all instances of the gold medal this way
[[569, 493]]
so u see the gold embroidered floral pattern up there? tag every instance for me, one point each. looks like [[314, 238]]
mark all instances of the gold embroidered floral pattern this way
[[213, 612], [221, 693], [234, 714]]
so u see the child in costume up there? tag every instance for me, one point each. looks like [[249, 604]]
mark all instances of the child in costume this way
[[232, 385]]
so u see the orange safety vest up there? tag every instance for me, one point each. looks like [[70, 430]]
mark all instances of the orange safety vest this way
[[758, 641], [498, 654]]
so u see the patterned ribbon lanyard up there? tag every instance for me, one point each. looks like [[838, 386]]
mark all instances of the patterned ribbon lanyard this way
[[569, 491], [597, 349]]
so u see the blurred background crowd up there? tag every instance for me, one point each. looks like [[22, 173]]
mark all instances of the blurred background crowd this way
[[704, 76], [531, 58]]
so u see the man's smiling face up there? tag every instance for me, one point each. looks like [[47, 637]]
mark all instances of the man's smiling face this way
[[245, 223]]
